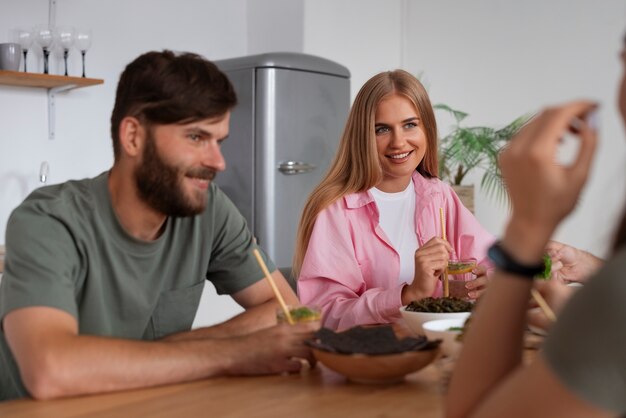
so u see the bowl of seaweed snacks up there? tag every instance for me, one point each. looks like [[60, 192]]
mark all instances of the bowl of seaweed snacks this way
[[430, 309], [372, 354]]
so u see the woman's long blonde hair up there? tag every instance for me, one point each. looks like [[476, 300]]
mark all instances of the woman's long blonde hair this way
[[356, 166]]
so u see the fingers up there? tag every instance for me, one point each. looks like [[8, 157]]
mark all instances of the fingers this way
[[553, 248], [480, 270], [477, 286], [435, 242], [580, 168], [553, 122], [477, 283], [435, 253]]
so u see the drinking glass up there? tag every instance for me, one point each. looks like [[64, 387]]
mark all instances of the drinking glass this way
[[25, 38], [299, 313], [82, 41], [45, 39], [459, 272], [65, 38]]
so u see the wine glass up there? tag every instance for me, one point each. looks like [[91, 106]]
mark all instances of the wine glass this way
[[82, 41], [65, 38], [25, 38], [44, 38]]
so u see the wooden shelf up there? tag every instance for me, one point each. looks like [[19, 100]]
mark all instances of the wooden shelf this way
[[48, 81]]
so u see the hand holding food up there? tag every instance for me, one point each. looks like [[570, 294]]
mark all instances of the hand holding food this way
[[569, 264], [542, 191]]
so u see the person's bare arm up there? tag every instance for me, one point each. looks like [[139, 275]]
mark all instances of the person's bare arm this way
[[489, 380], [260, 304], [54, 361]]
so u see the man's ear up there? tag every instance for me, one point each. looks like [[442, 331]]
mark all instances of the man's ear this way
[[132, 136]]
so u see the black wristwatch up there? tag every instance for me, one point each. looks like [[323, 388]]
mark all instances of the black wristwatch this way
[[505, 262]]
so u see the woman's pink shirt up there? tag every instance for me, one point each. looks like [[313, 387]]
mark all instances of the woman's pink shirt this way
[[350, 268]]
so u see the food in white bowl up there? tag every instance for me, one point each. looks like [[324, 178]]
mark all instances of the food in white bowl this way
[[448, 331], [430, 309]]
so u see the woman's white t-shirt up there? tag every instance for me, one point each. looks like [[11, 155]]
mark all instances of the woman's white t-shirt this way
[[397, 219]]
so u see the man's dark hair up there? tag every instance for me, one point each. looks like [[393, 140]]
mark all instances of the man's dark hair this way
[[165, 88]]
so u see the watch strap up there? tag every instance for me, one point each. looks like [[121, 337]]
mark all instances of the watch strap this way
[[505, 262]]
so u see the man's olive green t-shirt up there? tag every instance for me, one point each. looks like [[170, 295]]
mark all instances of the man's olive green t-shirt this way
[[67, 250]]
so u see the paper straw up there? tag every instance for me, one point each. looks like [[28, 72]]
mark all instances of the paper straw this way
[[446, 287], [268, 276]]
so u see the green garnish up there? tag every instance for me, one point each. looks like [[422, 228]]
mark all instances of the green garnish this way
[[455, 329], [299, 314], [547, 271]]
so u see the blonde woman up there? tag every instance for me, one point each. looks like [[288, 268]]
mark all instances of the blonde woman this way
[[370, 236]]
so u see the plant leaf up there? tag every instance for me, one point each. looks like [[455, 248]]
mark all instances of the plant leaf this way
[[458, 115]]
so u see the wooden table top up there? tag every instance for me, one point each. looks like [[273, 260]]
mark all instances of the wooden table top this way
[[317, 392]]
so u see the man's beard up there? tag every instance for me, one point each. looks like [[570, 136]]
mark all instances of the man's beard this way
[[160, 184]]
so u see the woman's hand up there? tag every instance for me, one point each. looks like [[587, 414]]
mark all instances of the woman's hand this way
[[477, 286], [430, 262], [569, 264]]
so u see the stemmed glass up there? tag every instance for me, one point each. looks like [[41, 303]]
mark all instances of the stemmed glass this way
[[82, 41], [65, 38], [25, 38], [44, 38]]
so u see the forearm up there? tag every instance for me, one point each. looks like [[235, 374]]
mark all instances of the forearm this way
[[252, 319], [79, 365], [492, 348], [374, 306], [261, 305]]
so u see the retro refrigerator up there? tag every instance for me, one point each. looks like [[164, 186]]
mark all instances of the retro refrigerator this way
[[283, 134]]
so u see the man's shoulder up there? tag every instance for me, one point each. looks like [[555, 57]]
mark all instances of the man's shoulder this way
[[63, 198]]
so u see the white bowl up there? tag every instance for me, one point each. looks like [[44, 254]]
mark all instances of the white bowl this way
[[414, 320], [440, 330]]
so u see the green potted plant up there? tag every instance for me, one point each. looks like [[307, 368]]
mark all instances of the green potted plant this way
[[465, 149]]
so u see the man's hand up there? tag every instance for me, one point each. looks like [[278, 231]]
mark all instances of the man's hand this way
[[274, 350], [55, 361]]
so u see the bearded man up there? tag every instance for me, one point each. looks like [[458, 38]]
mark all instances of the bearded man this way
[[103, 276]]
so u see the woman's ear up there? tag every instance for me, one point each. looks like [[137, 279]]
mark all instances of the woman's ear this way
[[132, 135]]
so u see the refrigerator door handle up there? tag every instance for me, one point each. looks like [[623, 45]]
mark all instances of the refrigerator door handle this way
[[295, 167]]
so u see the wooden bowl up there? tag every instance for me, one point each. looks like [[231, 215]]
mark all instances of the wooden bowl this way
[[386, 368]]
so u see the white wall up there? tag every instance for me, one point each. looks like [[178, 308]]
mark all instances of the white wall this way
[[122, 29], [494, 59], [500, 59]]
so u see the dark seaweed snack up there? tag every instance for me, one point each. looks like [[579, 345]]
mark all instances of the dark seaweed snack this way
[[368, 340], [440, 305]]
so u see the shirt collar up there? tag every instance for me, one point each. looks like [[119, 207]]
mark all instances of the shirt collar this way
[[360, 199]]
